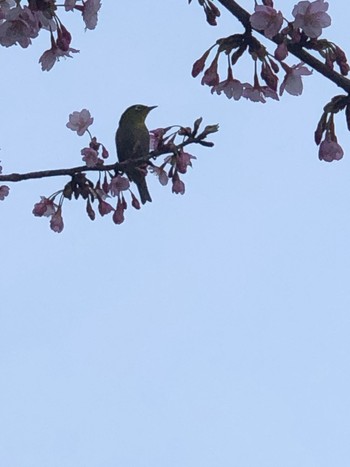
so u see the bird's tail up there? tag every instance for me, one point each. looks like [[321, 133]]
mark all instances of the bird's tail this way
[[140, 180]]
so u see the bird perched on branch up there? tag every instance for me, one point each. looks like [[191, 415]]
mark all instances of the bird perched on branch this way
[[132, 140]]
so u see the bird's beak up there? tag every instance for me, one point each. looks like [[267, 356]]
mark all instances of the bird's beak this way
[[152, 107]]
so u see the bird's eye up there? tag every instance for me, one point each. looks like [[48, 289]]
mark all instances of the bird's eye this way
[[137, 107]]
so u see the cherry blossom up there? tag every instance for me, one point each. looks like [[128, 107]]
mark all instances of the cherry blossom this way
[[118, 215], [118, 184], [135, 202], [258, 93], [281, 51], [267, 19], [46, 207], [156, 138], [56, 222], [311, 17], [104, 207], [90, 10], [330, 150], [19, 28], [4, 191], [230, 86], [90, 212], [53, 55], [80, 121], [199, 64], [211, 77], [178, 185], [183, 160], [292, 82], [90, 157], [161, 174]]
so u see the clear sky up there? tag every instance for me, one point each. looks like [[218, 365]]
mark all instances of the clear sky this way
[[210, 329]]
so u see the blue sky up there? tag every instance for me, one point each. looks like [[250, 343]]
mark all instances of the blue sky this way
[[210, 329]]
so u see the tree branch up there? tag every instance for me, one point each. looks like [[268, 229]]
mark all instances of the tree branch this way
[[243, 16], [117, 166]]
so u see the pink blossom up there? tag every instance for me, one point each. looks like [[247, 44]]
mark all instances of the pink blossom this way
[[90, 211], [292, 82], [330, 150], [231, 87], [118, 184], [91, 8], [45, 22], [199, 64], [178, 185], [156, 138], [105, 153], [135, 202], [4, 191], [118, 215], [104, 207], [211, 77], [281, 51], [90, 158], [160, 173], [80, 121], [258, 93], [53, 55], [64, 38], [311, 17], [46, 207], [266, 19], [183, 160], [19, 27], [56, 222]]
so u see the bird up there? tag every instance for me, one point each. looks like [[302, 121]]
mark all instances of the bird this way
[[132, 141]]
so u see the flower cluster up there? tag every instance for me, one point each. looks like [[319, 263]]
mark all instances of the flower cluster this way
[[47, 208], [310, 18], [329, 148], [179, 161], [112, 181], [80, 122], [20, 24]]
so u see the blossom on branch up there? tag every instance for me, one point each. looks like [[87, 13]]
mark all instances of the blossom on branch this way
[[90, 157], [46, 207], [4, 191], [118, 184], [230, 86], [178, 185], [80, 121], [330, 150], [311, 17], [111, 182], [59, 48], [292, 82], [258, 93], [118, 215], [91, 8], [267, 19], [19, 27], [56, 222]]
